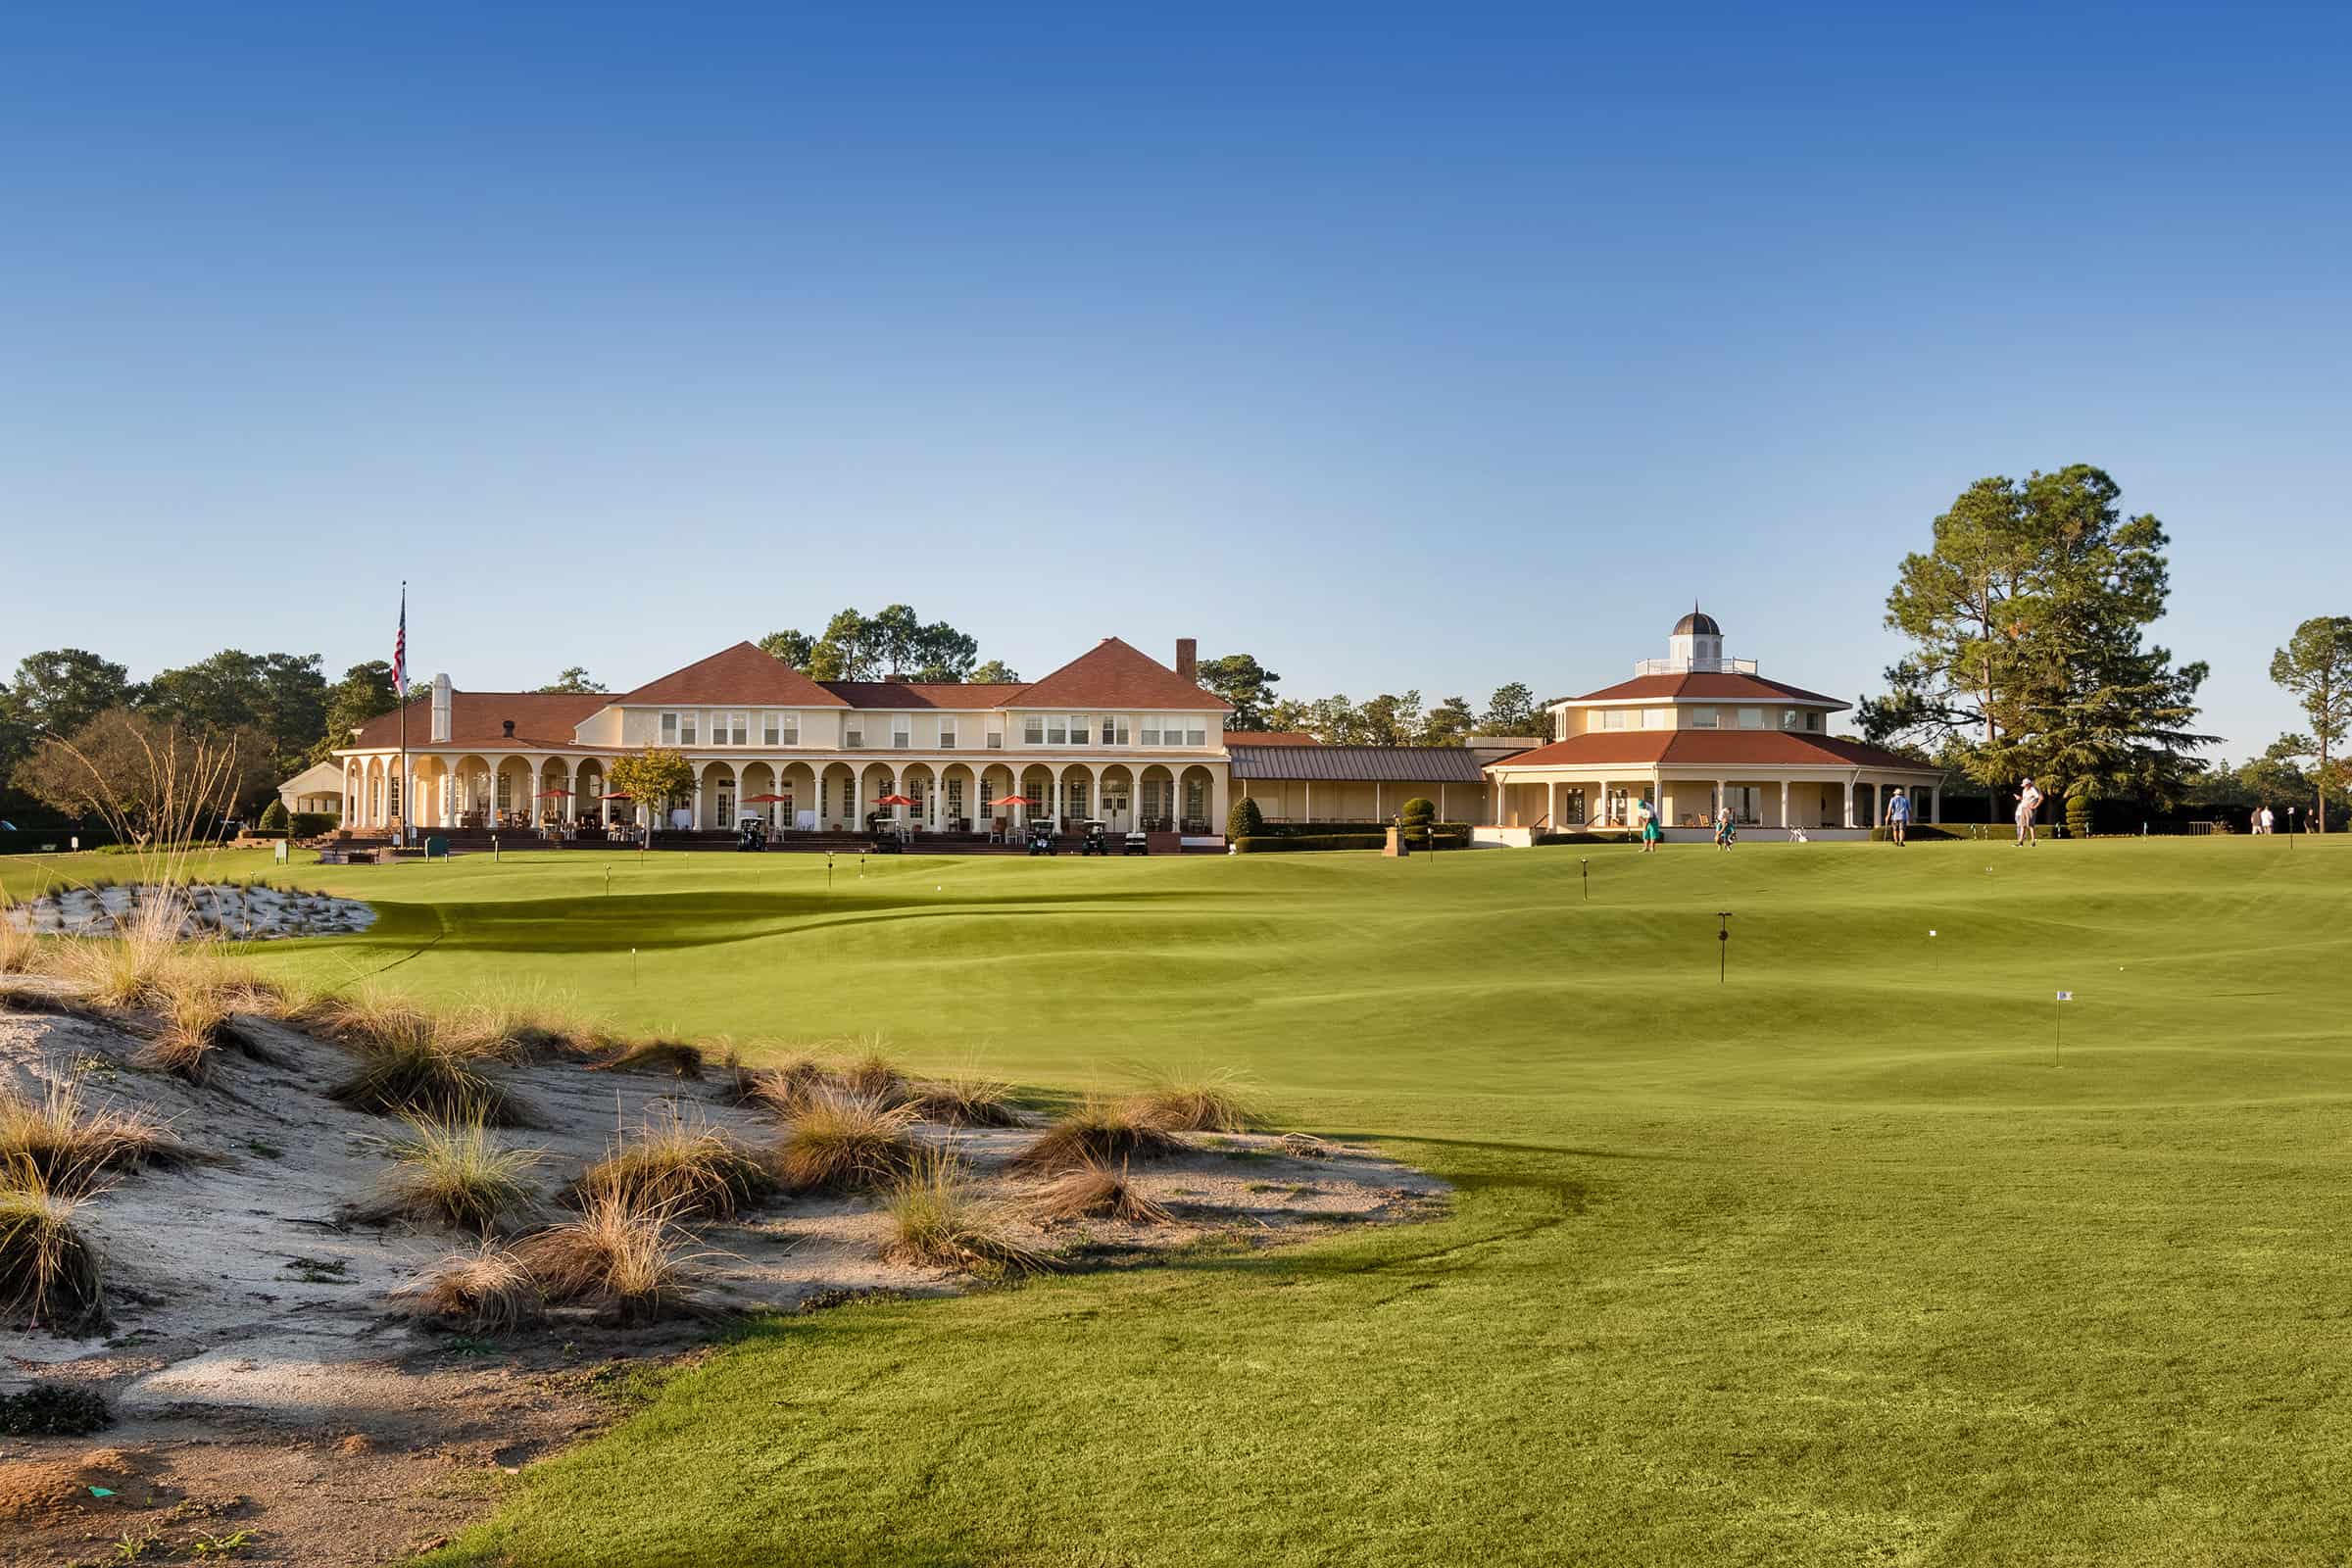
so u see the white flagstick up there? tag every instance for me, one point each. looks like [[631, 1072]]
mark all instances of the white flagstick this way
[[2058, 1014]]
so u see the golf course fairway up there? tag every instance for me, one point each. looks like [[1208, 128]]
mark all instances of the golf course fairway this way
[[1869, 1252]]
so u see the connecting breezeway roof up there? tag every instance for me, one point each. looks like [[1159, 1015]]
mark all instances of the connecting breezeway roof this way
[[1358, 764]]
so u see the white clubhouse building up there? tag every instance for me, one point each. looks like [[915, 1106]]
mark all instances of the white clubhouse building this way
[[1113, 736], [1695, 730]]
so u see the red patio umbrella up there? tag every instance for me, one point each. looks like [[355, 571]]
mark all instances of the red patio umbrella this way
[[764, 800], [549, 794], [898, 800], [1013, 800], [617, 795]]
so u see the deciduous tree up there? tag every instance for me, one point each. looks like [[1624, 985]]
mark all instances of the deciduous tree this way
[[363, 692], [651, 778], [1511, 711], [573, 680], [996, 673]]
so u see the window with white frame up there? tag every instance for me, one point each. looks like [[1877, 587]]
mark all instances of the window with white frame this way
[[1658, 718], [1793, 719], [1813, 719], [790, 729], [1080, 728], [688, 729], [902, 731], [770, 730], [1115, 730], [1151, 731], [996, 736], [947, 734], [1751, 719], [669, 729], [1614, 718], [739, 729], [1702, 718], [852, 733], [1033, 729], [1195, 735], [1058, 731]]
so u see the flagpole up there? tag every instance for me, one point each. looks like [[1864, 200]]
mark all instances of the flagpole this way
[[406, 784]]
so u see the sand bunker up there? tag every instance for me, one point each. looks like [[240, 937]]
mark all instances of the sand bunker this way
[[266, 1377], [226, 909]]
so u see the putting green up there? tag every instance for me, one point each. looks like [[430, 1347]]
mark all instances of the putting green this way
[[1827, 1263]]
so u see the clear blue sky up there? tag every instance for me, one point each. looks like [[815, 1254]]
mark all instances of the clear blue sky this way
[[1431, 348]]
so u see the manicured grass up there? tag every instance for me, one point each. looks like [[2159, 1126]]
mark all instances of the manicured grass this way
[[1829, 1264]]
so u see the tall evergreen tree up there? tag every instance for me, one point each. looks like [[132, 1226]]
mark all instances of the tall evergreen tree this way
[[2029, 657], [2315, 665], [1244, 682]]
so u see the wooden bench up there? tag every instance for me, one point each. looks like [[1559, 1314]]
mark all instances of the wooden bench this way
[[346, 857]]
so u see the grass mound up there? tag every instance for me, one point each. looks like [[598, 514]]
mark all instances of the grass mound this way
[[868, 1074], [680, 1163], [49, 1272], [519, 1024], [619, 1256], [1094, 1190], [454, 1173], [964, 1100], [1210, 1105], [936, 1221], [53, 1410], [66, 1144], [488, 1290], [1100, 1132], [845, 1143], [408, 1075]]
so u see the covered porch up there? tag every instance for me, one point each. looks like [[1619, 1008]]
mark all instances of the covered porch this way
[[1837, 802]]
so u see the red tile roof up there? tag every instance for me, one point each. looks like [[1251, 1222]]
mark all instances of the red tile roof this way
[[1705, 684], [741, 675], [1113, 675], [923, 694], [1709, 748], [542, 719]]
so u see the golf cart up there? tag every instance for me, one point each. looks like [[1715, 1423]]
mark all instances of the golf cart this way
[[1137, 843], [1098, 842], [750, 834], [1041, 837]]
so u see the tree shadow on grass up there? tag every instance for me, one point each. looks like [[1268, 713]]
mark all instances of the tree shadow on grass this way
[[673, 921]]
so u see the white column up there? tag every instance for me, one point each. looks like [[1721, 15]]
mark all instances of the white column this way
[[1220, 790], [1935, 803], [1311, 800], [1850, 800], [1551, 803], [1784, 804]]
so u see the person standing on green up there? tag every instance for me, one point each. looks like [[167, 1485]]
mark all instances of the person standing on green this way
[[1898, 815]]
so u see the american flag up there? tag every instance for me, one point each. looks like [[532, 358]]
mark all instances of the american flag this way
[[400, 648]]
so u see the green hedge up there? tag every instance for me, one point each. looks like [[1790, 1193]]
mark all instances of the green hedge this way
[[1273, 843], [1917, 831], [1288, 830], [1587, 837], [1268, 844]]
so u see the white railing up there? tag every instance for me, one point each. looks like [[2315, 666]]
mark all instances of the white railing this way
[[1694, 667]]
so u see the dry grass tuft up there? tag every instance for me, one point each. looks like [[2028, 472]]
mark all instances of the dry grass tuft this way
[[66, 1144], [488, 1290], [843, 1143], [936, 1221], [19, 950], [454, 1173], [791, 1087], [619, 1256], [49, 1272], [1098, 1132], [408, 1076], [673, 1057], [195, 1025], [521, 1023], [1210, 1105], [868, 1074], [680, 1163], [1093, 1191], [964, 1100], [371, 1017], [1304, 1146]]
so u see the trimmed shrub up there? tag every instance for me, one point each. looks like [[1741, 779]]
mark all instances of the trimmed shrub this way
[[1245, 820], [1316, 841], [1420, 811], [275, 816], [315, 824], [2078, 816]]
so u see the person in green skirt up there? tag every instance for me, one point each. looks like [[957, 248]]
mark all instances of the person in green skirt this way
[[1650, 835], [1726, 830]]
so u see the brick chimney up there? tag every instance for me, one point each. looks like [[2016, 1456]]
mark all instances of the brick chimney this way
[[1188, 659]]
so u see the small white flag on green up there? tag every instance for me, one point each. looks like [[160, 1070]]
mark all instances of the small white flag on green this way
[[2066, 996]]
